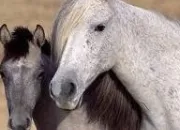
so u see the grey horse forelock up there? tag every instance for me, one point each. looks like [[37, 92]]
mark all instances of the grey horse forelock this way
[[65, 26]]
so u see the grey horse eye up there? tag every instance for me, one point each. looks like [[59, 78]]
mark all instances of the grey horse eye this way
[[100, 28]]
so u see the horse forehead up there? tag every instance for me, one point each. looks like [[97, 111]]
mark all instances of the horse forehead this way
[[22, 62], [77, 13], [73, 15], [32, 59]]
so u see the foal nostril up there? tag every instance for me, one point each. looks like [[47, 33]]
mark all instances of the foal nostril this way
[[28, 121], [10, 124], [21, 125]]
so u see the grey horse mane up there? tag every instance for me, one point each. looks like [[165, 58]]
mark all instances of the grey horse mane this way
[[108, 102], [18, 46]]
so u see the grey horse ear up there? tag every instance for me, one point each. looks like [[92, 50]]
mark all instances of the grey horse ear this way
[[39, 36], [5, 35]]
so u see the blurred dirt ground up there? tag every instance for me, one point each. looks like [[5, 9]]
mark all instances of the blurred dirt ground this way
[[32, 12]]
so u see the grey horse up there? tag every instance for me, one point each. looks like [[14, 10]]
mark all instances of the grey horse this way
[[140, 46]]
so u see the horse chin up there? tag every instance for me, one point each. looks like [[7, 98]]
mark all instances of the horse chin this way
[[66, 106], [79, 104], [28, 128], [70, 105], [25, 129]]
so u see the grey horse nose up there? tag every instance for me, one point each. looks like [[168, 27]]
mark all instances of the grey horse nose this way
[[19, 126], [67, 89]]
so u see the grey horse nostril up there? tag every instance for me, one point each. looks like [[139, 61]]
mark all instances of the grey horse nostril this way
[[73, 88], [54, 90], [68, 89]]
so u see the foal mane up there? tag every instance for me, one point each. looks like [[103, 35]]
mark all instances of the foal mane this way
[[18, 46], [108, 102]]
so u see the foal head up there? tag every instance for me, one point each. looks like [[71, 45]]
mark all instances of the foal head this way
[[22, 70]]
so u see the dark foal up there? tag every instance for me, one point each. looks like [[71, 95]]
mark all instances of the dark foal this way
[[26, 72]]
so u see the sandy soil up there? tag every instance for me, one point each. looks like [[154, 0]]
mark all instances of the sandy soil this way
[[32, 12]]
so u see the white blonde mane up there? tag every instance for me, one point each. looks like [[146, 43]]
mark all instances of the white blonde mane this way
[[68, 23]]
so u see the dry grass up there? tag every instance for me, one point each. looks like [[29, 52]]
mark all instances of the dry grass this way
[[167, 7], [32, 12]]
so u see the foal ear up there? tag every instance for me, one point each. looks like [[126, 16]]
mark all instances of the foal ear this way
[[5, 35], [39, 36]]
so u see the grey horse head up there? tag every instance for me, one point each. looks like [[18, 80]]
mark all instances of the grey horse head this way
[[22, 71]]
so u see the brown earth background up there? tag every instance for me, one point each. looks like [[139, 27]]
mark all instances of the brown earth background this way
[[31, 12]]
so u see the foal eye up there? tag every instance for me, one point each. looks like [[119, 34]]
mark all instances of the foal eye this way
[[99, 28]]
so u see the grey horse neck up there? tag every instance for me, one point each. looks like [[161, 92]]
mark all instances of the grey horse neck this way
[[109, 103]]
